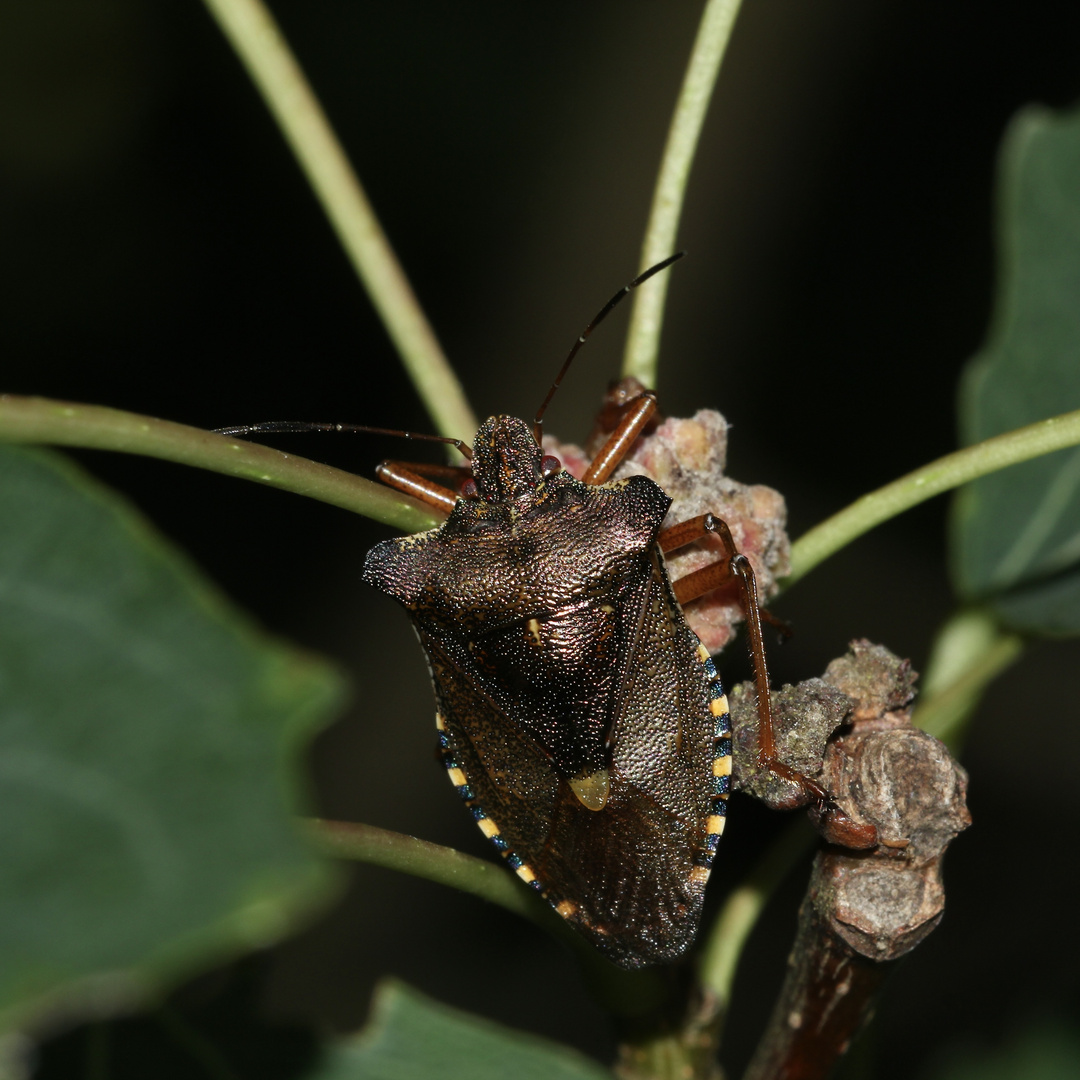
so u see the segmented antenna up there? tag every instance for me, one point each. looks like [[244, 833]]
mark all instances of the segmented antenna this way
[[271, 426], [287, 426], [602, 314]]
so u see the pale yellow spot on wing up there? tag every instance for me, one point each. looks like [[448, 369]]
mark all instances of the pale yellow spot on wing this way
[[525, 872], [457, 777], [721, 766], [488, 827], [534, 629], [699, 875], [703, 653], [719, 706], [566, 908], [440, 723]]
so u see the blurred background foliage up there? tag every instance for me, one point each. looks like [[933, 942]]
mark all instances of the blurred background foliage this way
[[160, 252]]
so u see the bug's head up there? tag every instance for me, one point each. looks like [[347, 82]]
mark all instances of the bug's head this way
[[508, 465]]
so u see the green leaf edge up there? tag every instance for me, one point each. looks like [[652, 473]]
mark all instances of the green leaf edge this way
[[393, 999], [108, 992], [1026, 127]]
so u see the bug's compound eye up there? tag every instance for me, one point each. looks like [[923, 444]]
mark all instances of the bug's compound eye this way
[[469, 489], [549, 466]]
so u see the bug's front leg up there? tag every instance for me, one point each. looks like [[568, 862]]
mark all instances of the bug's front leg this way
[[735, 567], [421, 481]]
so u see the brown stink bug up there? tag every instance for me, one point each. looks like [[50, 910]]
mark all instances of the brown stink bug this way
[[580, 718]]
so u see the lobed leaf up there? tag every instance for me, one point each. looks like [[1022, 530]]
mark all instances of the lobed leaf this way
[[1016, 540], [146, 742]]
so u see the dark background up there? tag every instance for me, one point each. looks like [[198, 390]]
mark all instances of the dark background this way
[[160, 252]]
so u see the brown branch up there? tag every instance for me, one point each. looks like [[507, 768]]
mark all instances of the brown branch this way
[[865, 909]]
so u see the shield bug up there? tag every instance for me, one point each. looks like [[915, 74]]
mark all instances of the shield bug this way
[[580, 719]]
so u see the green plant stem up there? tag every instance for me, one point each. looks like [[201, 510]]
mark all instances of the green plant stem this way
[[969, 652], [42, 420], [944, 474], [643, 338], [265, 54], [736, 919], [623, 992], [396, 851]]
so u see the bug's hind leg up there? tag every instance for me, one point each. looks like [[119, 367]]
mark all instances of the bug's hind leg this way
[[717, 574], [734, 567]]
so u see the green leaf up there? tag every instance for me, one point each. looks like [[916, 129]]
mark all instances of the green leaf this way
[[411, 1037], [146, 734], [1017, 535]]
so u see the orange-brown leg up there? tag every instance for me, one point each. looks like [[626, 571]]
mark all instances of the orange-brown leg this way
[[455, 474], [735, 566], [413, 478], [634, 419], [618, 396]]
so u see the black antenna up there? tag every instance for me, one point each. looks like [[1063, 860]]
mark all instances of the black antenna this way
[[538, 420], [272, 426]]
